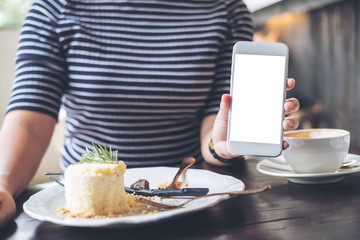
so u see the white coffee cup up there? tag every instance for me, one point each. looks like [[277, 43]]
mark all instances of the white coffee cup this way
[[320, 150]]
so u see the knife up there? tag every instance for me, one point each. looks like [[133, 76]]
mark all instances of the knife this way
[[194, 192], [169, 192]]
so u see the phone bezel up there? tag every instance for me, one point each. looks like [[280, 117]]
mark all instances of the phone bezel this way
[[257, 48]]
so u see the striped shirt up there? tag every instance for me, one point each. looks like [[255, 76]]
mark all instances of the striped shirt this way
[[136, 75]]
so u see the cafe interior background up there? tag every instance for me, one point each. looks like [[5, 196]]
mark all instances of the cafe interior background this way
[[324, 41]]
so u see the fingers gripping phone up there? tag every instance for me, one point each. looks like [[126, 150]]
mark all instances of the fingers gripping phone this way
[[258, 91]]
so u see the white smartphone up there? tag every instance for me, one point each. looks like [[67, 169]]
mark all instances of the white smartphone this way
[[258, 91]]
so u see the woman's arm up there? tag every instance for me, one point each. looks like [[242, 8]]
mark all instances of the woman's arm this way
[[24, 138], [215, 127]]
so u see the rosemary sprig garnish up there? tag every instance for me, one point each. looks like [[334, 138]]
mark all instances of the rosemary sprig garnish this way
[[99, 155]]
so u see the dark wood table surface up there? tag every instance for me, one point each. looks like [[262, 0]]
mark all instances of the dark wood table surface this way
[[287, 211]]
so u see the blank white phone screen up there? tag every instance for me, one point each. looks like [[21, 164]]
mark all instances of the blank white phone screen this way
[[257, 98]]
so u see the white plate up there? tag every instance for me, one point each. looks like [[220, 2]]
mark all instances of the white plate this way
[[278, 167], [43, 204]]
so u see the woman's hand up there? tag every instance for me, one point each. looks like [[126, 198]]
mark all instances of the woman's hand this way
[[219, 131], [291, 105], [7, 207]]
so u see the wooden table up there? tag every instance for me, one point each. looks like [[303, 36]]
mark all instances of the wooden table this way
[[287, 211]]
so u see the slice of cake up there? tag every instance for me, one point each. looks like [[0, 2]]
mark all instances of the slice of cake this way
[[95, 189]]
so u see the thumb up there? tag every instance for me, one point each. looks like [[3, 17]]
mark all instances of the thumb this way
[[223, 113], [219, 131]]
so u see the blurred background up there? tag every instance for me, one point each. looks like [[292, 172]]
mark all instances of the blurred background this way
[[324, 41]]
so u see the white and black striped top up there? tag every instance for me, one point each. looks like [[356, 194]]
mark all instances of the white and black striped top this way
[[138, 75]]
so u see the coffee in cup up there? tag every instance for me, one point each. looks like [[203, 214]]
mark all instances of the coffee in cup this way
[[319, 150]]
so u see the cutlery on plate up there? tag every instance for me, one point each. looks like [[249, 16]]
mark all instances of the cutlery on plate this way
[[169, 192], [193, 192], [163, 206], [185, 164]]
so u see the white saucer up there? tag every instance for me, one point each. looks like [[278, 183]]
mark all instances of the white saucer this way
[[278, 167]]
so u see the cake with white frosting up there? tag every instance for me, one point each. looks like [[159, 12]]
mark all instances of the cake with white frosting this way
[[96, 189]]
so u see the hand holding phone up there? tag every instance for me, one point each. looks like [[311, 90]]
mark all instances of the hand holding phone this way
[[258, 91]]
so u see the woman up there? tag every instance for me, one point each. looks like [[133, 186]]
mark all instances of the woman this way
[[149, 78]]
